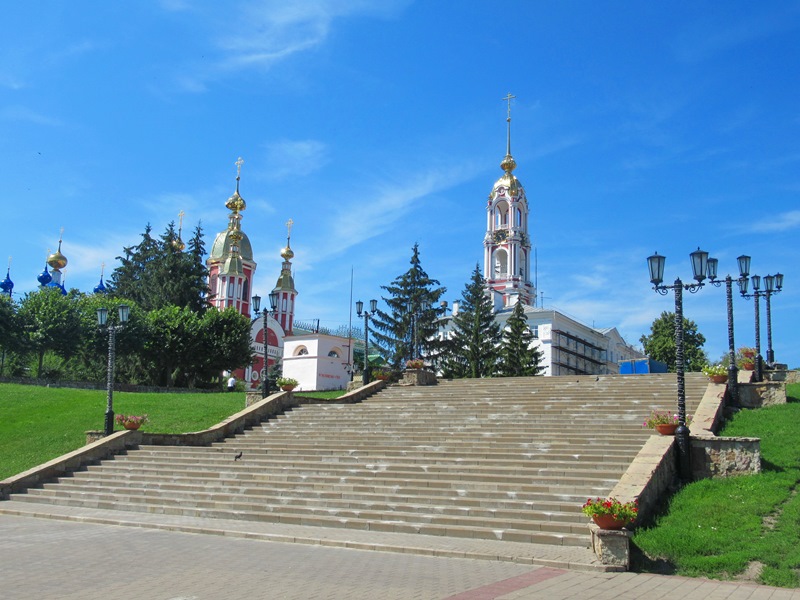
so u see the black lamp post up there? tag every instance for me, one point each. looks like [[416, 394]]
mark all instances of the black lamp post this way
[[655, 264], [733, 391], [273, 302], [102, 320], [772, 285], [373, 308]]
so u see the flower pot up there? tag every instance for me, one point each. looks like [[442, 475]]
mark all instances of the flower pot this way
[[747, 366], [131, 425], [667, 428], [288, 388], [608, 522], [718, 378]]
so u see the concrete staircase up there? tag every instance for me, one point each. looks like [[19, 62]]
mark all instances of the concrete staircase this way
[[496, 459]]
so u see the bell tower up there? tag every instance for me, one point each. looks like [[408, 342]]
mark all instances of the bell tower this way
[[507, 244]]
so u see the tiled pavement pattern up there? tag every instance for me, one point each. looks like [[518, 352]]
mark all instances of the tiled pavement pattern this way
[[54, 559]]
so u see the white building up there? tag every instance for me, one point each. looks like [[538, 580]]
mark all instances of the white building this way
[[318, 361]]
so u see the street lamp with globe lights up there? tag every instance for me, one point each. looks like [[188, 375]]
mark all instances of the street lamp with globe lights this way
[[655, 264], [373, 309], [772, 285], [273, 302], [102, 320]]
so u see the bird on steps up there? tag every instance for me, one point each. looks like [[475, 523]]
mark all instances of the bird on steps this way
[[237, 457]]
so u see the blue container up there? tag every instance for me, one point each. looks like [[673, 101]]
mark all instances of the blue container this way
[[640, 366]]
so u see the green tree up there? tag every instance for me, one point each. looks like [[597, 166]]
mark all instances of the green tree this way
[[10, 332], [224, 345], [129, 341], [157, 272], [518, 355], [172, 344], [473, 347], [660, 344], [51, 322], [408, 328]]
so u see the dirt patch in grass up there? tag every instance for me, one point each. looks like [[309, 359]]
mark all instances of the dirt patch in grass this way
[[751, 573]]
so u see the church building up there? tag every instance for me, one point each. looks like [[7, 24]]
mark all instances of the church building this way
[[231, 269], [569, 347]]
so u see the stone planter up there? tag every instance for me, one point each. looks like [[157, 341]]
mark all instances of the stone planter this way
[[418, 377]]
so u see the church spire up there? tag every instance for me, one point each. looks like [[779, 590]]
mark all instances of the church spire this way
[[508, 163], [507, 246]]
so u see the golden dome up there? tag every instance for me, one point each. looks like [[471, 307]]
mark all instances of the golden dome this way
[[287, 253], [236, 203], [57, 260], [508, 164]]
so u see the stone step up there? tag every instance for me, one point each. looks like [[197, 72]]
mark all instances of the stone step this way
[[549, 503], [529, 531], [300, 505], [223, 455], [331, 473], [431, 464], [494, 459], [575, 486]]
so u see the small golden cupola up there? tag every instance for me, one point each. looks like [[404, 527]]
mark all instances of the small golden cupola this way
[[57, 262], [285, 286]]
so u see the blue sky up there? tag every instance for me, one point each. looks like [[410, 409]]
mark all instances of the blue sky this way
[[637, 126]]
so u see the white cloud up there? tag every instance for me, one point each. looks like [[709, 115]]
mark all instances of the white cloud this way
[[287, 157], [23, 113], [782, 222]]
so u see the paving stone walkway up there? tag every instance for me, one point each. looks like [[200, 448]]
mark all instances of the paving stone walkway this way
[[56, 558]]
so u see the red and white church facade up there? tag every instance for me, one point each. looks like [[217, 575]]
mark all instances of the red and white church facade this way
[[231, 269]]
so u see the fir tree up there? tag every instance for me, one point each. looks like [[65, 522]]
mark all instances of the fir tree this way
[[519, 357], [408, 328], [473, 347], [158, 273]]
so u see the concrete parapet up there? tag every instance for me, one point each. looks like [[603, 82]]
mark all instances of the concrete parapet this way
[[612, 546], [709, 416], [93, 452], [650, 477]]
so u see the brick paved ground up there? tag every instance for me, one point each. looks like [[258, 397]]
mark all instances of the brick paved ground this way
[[46, 558]]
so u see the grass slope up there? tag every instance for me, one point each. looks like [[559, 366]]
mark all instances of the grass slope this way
[[38, 424], [717, 528]]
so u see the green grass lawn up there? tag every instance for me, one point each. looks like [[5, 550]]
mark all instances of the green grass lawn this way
[[38, 424], [716, 528]]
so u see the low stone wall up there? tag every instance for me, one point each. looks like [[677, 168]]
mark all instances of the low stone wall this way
[[758, 395], [725, 456]]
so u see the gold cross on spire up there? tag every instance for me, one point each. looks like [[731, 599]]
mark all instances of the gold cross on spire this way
[[289, 224], [508, 99], [239, 164], [180, 222]]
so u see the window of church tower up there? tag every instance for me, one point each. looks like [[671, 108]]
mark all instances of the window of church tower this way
[[245, 290], [501, 212], [500, 263]]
